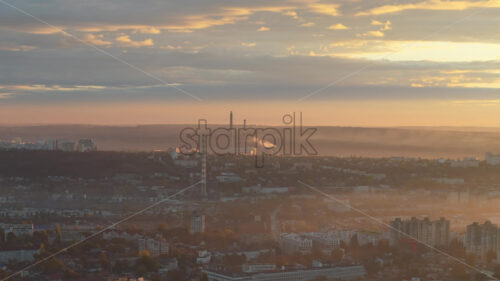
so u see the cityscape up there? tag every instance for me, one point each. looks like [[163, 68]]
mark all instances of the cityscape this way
[[392, 218], [250, 140]]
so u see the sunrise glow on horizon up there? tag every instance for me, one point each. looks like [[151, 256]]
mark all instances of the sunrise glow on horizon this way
[[343, 63]]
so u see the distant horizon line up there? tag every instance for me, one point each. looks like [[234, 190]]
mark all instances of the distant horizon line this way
[[7, 125]]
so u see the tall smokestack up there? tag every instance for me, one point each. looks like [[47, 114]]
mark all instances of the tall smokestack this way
[[231, 120], [203, 165]]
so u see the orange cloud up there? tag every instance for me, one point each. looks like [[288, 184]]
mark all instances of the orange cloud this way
[[125, 41], [443, 5], [308, 24], [376, 33], [324, 9], [251, 44], [338, 26], [292, 14], [16, 48], [96, 40]]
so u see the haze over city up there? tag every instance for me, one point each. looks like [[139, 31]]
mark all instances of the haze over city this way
[[250, 140]]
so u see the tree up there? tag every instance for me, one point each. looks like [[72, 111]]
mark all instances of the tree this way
[[337, 255], [51, 266], [490, 256], [354, 244], [175, 275], [116, 248], [70, 274], [457, 249], [458, 272], [204, 277], [41, 237], [480, 277], [42, 249], [146, 262], [496, 271], [383, 246], [141, 270], [120, 266], [156, 277], [163, 228], [234, 260], [58, 233], [471, 259], [103, 260], [372, 266], [11, 238], [144, 253]]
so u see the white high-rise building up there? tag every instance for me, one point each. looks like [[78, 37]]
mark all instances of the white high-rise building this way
[[197, 223], [434, 233], [482, 238]]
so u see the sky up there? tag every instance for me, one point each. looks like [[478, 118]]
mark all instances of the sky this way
[[341, 63]]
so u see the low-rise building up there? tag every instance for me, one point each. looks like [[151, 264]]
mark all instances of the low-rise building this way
[[228, 177], [492, 159], [325, 240], [466, 162], [167, 265], [18, 255], [85, 145], [332, 273], [292, 243], [253, 268], [155, 247], [17, 229], [204, 257], [113, 234]]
